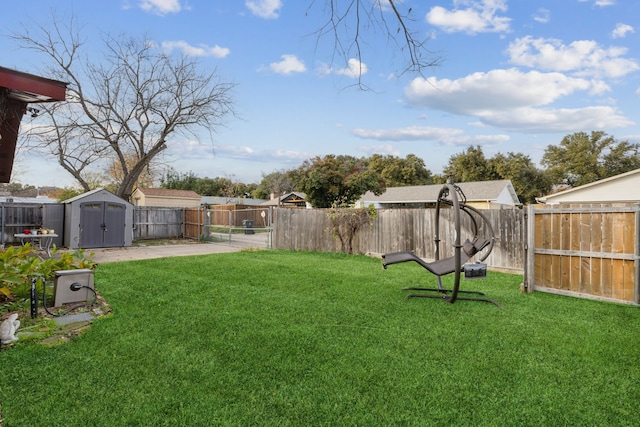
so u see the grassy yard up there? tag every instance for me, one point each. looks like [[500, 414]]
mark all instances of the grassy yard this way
[[289, 339]]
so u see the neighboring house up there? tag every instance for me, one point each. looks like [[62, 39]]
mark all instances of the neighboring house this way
[[289, 200], [165, 198], [498, 194], [623, 188]]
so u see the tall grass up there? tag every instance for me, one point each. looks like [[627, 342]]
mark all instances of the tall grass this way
[[288, 339]]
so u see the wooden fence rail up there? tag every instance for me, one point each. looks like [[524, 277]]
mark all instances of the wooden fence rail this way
[[589, 251], [158, 223], [396, 230]]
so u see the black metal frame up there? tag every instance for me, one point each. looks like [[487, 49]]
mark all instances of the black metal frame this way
[[451, 195]]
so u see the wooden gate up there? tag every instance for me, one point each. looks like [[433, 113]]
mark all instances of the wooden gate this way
[[589, 251], [194, 223]]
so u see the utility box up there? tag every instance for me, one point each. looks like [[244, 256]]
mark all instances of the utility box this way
[[62, 286]]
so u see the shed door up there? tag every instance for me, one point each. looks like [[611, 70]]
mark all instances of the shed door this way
[[102, 224]]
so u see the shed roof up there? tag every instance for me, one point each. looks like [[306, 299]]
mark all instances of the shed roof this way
[[474, 191], [107, 193]]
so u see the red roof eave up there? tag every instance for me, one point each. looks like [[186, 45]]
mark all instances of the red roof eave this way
[[40, 88]]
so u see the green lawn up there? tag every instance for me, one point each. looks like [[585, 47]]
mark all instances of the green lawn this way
[[289, 339]]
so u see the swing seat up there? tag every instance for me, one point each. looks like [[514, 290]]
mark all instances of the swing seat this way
[[440, 267]]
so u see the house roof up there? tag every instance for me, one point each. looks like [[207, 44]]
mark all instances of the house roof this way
[[617, 188], [293, 197], [166, 193], [478, 191]]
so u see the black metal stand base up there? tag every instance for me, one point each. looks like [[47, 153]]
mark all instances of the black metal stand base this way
[[444, 295]]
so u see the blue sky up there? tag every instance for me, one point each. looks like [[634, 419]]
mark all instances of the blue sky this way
[[515, 76]]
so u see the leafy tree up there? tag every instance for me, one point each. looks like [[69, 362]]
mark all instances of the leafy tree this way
[[219, 186], [528, 181], [470, 165], [67, 193], [582, 158], [15, 187], [278, 183], [397, 172], [174, 180], [125, 107], [335, 180]]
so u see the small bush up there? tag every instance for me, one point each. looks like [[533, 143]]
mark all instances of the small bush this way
[[19, 264]]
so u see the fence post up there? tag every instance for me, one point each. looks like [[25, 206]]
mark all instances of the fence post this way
[[270, 225], [529, 249], [636, 261]]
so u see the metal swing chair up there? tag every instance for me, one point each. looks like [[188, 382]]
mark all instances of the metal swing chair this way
[[451, 195]]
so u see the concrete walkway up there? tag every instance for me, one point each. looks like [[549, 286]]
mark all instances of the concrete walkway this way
[[159, 251]]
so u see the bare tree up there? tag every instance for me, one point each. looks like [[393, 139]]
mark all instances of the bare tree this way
[[124, 108], [349, 21]]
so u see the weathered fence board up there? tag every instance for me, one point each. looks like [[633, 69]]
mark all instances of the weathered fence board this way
[[194, 222], [585, 250], [16, 217], [158, 223], [396, 230]]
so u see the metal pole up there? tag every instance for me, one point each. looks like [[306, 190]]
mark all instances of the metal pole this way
[[230, 225]]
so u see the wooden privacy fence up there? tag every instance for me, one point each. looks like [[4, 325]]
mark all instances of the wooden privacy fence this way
[[151, 222], [396, 230], [589, 251], [236, 215], [16, 217]]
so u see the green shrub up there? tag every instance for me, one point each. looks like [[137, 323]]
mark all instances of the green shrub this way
[[19, 264]]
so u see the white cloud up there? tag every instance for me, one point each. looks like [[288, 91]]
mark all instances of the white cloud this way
[[538, 120], [191, 150], [542, 15], [600, 3], [479, 17], [385, 149], [267, 9], [582, 57], [160, 7], [445, 136], [200, 50], [497, 89], [511, 99], [289, 64], [354, 69], [621, 31]]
